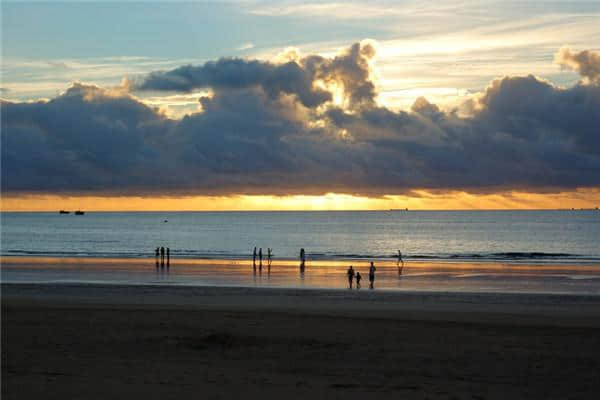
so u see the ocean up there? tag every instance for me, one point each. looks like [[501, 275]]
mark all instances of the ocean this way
[[507, 236], [553, 252]]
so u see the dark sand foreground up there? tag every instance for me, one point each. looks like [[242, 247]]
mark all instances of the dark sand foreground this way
[[109, 342]]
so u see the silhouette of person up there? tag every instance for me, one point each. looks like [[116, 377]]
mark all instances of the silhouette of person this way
[[358, 278], [269, 253], [400, 260], [157, 252], [350, 274], [302, 257], [162, 256], [372, 270], [254, 258], [260, 255], [168, 256]]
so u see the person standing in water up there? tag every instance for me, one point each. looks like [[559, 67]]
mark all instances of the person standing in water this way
[[350, 274], [372, 270], [358, 278], [162, 255], [254, 257], [168, 256], [260, 256], [269, 253]]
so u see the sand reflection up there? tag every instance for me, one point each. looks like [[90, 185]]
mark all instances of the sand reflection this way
[[318, 274]]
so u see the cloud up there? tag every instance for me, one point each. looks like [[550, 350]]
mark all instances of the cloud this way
[[276, 128], [354, 10], [349, 70], [586, 63], [245, 46]]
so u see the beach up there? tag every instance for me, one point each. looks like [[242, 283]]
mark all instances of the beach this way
[[221, 328], [116, 341]]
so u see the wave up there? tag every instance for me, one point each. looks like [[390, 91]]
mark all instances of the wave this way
[[505, 256], [513, 255], [509, 256], [222, 254]]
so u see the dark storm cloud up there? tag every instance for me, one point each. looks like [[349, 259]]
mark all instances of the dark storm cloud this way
[[526, 133], [84, 139], [586, 63], [234, 73], [268, 129]]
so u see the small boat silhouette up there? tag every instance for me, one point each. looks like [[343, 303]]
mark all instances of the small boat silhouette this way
[[64, 212], [79, 212]]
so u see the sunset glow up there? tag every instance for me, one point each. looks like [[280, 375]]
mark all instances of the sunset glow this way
[[421, 200]]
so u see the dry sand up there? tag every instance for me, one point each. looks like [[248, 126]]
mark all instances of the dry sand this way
[[104, 342]]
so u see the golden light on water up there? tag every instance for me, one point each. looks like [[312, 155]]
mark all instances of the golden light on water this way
[[417, 200]]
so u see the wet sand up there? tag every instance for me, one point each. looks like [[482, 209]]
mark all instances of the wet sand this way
[[119, 341], [458, 276]]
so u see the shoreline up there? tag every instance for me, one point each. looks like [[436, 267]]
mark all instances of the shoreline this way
[[435, 277], [409, 263]]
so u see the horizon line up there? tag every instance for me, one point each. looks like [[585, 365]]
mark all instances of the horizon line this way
[[315, 210]]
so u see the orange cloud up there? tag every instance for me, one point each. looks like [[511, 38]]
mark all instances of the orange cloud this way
[[419, 200]]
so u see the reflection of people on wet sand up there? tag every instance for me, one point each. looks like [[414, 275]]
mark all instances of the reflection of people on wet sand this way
[[372, 270], [400, 260], [350, 276], [358, 278], [269, 260]]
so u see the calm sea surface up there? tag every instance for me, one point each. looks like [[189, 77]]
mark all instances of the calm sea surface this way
[[507, 236]]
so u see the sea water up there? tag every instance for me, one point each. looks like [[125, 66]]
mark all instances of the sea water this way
[[451, 251], [513, 236]]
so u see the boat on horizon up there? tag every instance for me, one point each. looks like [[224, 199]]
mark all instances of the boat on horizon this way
[[64, 212], [79, 212]]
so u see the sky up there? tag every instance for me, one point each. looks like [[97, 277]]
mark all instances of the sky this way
[[300, 105]]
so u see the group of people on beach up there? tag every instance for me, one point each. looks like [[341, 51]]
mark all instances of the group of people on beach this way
[[355, 274], [352, 274], [260, 257], [160, 252]]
